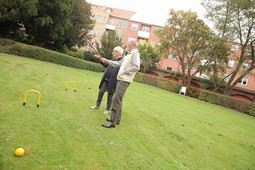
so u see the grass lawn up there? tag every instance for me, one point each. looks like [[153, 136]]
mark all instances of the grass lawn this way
[[159, 129]]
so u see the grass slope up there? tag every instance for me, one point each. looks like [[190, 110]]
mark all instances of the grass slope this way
[[159, 129]]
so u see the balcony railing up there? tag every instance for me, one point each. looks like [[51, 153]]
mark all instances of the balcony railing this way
[[142, 34], [110, 27]]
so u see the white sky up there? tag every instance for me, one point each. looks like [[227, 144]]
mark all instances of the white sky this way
[[153, 11]]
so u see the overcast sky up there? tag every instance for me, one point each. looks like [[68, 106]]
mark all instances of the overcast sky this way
[[153, 11]]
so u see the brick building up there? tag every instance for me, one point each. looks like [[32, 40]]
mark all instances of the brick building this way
[[119, 20]]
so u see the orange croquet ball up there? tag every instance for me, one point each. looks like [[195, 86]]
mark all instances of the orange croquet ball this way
[[19, 152]]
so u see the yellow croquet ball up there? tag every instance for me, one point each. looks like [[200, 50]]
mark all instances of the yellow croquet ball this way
[[19, 152]]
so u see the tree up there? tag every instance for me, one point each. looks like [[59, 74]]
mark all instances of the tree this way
[[81, 20], [185, 38], [14, 12], [218, 55], [149, 56], [54, 22], [108, 42], [235, 21]]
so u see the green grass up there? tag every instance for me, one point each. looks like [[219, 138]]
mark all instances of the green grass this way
[[159, 129]]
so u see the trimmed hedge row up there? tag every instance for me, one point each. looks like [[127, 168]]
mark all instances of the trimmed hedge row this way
[[15, 48], [204, 95]]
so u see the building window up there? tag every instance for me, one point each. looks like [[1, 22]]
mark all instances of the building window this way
[[227, 77], [245, 66], [98, 17], [169, 68], [243, 81], [130, 37], [172, 56], [202, 75], [100, 33], [153, 43], [134, 26], [177, 34], [231, 63], [119, 37], [110, 22], [146, 29], [203, 62], [121, 24], [234, 48], [103, 19], [95, 31]]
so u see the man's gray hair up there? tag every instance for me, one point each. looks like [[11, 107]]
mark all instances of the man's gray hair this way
[[133, 41], [119, 50]]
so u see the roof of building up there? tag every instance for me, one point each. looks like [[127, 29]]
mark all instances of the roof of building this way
[[120, 13]]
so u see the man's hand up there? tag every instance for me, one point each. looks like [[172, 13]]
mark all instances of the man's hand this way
[[98, 56], [103, 60]]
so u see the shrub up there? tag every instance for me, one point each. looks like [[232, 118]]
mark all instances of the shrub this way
[[4, 43], [208, 96], [49, 56], [151, 80], [77, 54], [89, 56], [139, 77], [236, 104], [225, 101], [193, 92], [168, 85], [251, 110]]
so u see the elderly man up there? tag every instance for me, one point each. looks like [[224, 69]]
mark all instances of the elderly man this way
[[129, 65], [109, 81]]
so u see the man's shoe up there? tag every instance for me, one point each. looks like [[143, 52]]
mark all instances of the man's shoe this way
[[108, 125], [108, 119], [94, 107], [106, 112]]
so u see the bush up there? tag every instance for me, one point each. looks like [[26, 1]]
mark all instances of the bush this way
[[89, 56], [139, 77], [151, 80], [234, 103], [208, 96], [21, 37], [225, 101], [49, 56], [76, 54], [168, 85], [251, 110], [205, 95], [4, 43], [193, 92]]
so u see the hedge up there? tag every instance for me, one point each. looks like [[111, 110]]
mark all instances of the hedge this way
[[204, 95], [15, 48], [168, 85]]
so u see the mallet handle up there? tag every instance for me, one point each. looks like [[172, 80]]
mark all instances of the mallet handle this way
[[83, 36]]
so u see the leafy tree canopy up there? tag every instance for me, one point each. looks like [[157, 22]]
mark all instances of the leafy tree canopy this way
[[54, 22], [108, 42], [234, 20], [185, 37], [149, 55]]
